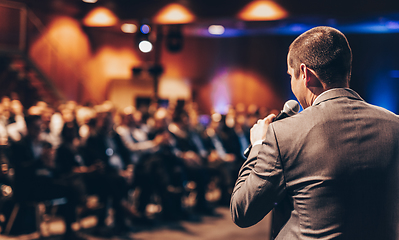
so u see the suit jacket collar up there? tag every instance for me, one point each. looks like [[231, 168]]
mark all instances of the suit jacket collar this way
[[337, 93]]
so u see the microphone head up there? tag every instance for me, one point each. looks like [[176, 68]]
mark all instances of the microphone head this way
[[291, 107]]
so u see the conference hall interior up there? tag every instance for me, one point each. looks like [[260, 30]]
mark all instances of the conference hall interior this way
[[138, 111]]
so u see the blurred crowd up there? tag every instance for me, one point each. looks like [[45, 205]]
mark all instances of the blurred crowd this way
[[158, 155]]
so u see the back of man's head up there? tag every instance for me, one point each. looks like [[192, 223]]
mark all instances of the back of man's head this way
[[33, 125], [324, 50]]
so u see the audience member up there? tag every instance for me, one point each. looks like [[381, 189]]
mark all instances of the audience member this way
[[69, 163], [220, 162], [160, 155], [34, 173], [162, 172], [193, 156], [105, 149]]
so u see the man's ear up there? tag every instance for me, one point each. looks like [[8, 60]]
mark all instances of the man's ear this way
[[310, 77]]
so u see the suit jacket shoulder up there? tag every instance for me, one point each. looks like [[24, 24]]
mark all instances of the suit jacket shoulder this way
[[336, 157]]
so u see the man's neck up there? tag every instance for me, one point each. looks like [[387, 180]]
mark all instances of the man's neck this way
[[324, 93]]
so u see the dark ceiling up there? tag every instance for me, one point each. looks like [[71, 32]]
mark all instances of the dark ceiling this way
[[311, 12]]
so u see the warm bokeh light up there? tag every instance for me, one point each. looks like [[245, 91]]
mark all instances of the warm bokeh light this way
[[231, 86], [221, 92], [174, 14], [100, 17], [145, 46], [90, 1], [110, 63], [173, 88], [216, 29], [260, 10], [116, 63], [62, 52], [128, 28]]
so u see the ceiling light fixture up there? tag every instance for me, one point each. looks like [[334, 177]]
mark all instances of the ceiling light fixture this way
[[145, 46], [261, 10], [145, 29], [129, 28], [216, 29], [89, 1], [174, 14], [100, 17]]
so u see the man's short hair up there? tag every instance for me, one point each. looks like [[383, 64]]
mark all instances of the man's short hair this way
[[326, 51]]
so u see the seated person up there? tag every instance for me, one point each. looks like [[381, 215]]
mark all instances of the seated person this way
[[188, 146], [105, 152], [34, 173], [220, 161]]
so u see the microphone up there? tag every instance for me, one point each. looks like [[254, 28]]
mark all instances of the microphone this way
[[291, 107]]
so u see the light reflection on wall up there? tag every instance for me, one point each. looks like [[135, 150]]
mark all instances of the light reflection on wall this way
[[62, 52], [230, 87], [116, 63], [172, 88], [220, 94], [110, 63], [66, 37]]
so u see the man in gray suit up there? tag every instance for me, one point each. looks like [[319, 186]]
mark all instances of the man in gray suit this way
[[336, 161]]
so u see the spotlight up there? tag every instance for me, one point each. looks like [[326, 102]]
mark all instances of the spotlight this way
[[216, 29], [128, 28], [145, 29], [145, 46], [142, 37]]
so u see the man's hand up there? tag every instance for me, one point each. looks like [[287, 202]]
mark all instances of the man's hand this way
[[258, 131]]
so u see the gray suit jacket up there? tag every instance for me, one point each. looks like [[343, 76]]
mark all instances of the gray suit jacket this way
[[338, 163]]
